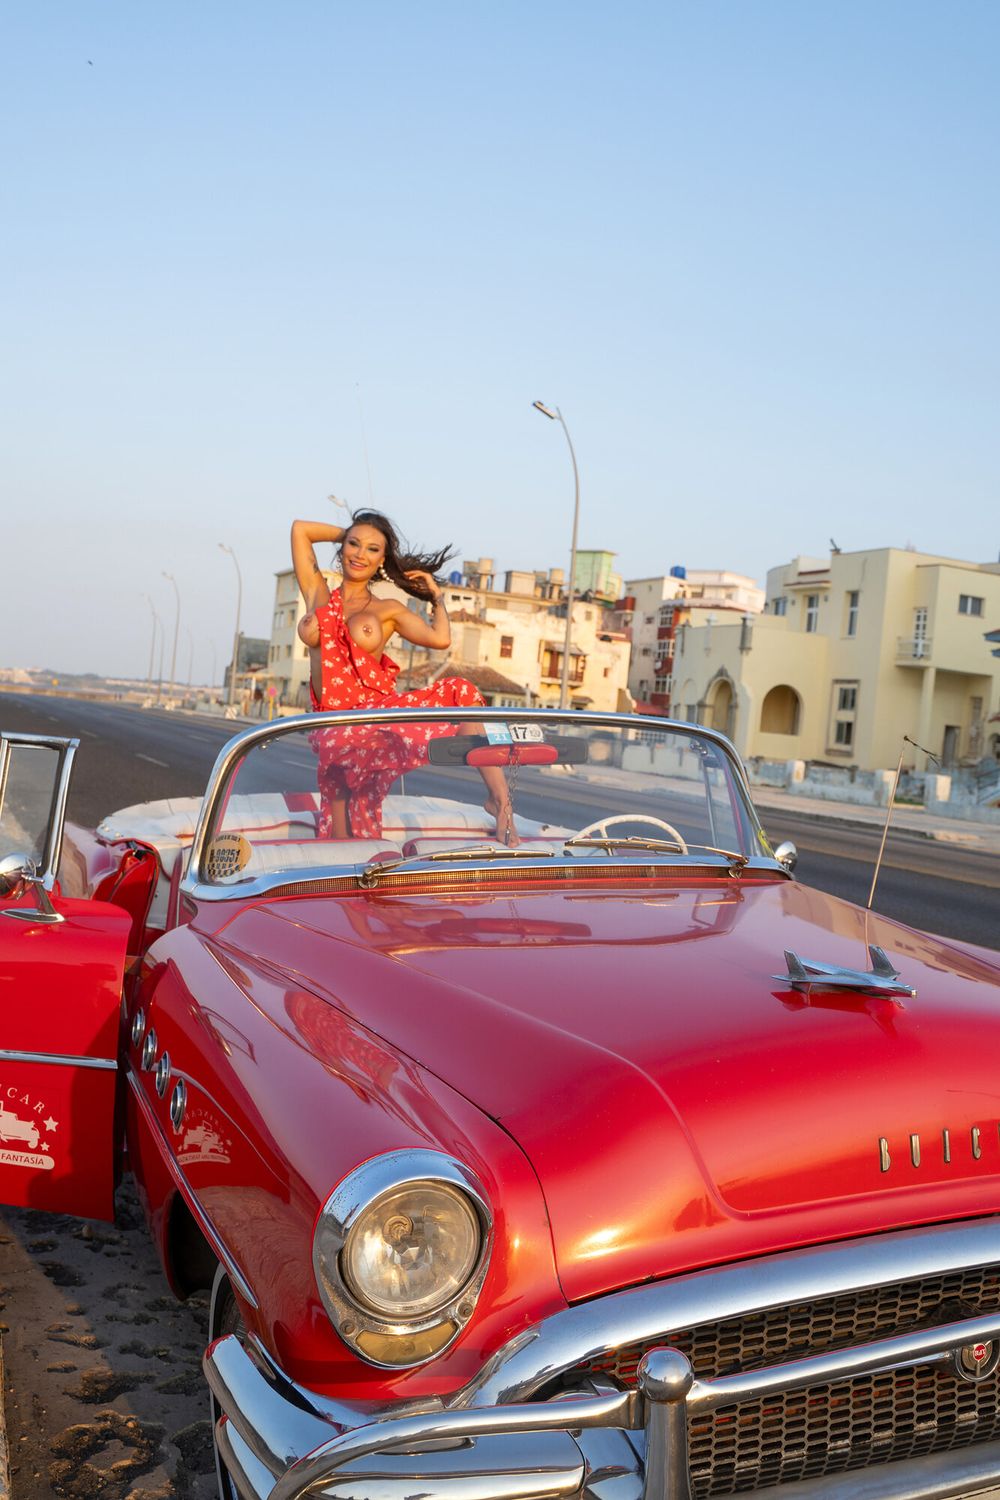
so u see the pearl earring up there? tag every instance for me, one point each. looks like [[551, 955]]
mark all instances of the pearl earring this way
[[382, 573]]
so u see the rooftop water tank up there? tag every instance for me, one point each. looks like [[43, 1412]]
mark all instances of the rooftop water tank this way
[[678, 572]]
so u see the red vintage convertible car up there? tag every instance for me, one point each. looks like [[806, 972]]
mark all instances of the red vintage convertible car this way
[[613, 1161]]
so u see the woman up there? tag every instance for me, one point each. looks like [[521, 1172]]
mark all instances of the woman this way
[[347, 632]]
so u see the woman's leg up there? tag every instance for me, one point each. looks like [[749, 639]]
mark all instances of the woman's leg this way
[[499, 805], [333, 822]]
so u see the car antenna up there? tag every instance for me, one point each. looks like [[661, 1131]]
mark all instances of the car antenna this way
[[892, 798]]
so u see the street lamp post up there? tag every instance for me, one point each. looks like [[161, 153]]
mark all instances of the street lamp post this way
[[239, 606], [557, 416], [177, 625], [152, 640]]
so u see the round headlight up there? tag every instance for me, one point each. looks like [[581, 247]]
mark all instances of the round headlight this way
[[412, 1250]]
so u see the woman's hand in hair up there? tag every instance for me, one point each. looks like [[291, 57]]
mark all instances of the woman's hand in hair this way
[[427, 583]]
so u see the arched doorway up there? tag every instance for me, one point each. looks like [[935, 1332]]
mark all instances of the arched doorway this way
[[720, 704], [780, 711]]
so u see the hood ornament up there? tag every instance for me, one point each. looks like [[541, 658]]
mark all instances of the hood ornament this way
[[881, 979]]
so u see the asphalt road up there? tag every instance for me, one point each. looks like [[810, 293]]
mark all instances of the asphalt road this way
[[129, 755]]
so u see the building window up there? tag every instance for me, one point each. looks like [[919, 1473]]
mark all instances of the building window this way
[[843, 715], [779, 606], [552, 661], [812, 613], [650, 619], [507, 645], [852, 612], [970, 604]]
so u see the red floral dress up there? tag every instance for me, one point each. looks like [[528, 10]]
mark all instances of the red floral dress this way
[[359, 763]]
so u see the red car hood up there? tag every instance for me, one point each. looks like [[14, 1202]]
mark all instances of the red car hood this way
[[679, 1103]]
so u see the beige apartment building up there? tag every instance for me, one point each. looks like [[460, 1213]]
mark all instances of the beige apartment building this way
[[651, 611], [508, 633], [852, 654]]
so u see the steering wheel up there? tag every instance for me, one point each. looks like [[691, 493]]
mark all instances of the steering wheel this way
[[603, 824]]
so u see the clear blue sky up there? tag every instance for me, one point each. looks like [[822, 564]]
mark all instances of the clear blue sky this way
[[750, 247]]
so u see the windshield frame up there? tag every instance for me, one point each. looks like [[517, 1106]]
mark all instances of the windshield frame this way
[[194, 886]]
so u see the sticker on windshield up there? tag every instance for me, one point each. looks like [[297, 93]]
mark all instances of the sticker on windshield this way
[[523, 734], [498, 734], [226, 856]]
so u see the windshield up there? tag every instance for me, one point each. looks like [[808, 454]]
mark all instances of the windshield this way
[[373, 790]]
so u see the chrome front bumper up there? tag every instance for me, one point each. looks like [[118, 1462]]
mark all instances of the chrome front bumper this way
[[627, 1445]]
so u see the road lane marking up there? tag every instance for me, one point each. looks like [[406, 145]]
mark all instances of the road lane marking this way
[[152, 760]]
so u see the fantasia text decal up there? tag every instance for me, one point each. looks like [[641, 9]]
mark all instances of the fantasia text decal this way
[[25, 1129]]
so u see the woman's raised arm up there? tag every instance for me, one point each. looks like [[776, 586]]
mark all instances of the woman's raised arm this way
[[308, 573], [413, 627]]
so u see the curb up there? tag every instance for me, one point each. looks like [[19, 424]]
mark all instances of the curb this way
[[844, 820]]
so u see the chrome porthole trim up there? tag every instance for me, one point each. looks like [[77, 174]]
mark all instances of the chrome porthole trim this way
[[415, 1341], [149, 1051], [138, 1027], [178, 1104], [162, 1077]]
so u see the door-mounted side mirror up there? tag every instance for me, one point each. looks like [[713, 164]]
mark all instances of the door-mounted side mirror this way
[[17, 873], [787, 855]]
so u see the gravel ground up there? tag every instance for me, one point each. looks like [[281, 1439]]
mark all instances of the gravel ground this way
[[104, 1393]]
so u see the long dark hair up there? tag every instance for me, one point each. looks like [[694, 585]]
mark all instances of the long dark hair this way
[[397, 562]]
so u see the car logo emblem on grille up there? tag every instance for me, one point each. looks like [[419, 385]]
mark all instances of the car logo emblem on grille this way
[[977, 1361]]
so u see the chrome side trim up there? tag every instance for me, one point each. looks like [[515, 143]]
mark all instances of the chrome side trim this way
[[192, 884], [648, 1313], [59, 1059], [184, 1187]]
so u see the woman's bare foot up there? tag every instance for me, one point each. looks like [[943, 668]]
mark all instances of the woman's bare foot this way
[[504, 815]]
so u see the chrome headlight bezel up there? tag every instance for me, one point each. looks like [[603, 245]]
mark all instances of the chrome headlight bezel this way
[[395, 1343]]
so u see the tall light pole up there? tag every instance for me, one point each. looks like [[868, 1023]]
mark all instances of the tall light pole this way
[[557, 416], [177, 625], [239, 606], [152, 640]]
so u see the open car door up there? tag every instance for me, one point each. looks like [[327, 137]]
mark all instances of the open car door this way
[[61, 964]]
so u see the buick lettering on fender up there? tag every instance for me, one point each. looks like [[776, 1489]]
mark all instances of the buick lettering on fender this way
[[607, 1162]]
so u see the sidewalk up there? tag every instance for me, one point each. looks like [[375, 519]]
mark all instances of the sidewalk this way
[[983, 837], [971, 835]]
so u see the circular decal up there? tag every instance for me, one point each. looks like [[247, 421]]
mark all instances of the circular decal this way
[[226, 856], [977, 1361]]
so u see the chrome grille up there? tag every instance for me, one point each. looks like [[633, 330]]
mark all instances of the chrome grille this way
[[827, 1429]]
